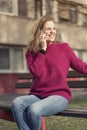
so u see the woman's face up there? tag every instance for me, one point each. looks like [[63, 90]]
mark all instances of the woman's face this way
[[50, 31]]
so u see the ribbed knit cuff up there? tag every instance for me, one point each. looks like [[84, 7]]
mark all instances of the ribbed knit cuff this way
[[43, 51]]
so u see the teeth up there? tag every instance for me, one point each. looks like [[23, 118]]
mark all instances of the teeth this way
[[51, 35]]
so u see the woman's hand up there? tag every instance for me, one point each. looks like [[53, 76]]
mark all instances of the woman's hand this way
[[43, 38]]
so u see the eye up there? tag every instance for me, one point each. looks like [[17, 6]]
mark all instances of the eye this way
[[50, 28], [54, 28], [47, 28]]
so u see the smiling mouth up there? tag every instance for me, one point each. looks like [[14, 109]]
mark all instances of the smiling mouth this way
[[52, 36]]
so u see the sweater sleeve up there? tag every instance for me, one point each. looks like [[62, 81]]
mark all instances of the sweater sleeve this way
[[34, 62], [75, 62]]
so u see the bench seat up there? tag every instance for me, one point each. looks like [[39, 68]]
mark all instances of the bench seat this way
[[6, 102]]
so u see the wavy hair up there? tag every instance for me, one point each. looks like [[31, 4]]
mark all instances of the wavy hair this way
[[33, 41]]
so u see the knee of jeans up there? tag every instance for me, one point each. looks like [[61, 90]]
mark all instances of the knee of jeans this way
[[16, 102], [34, 110]]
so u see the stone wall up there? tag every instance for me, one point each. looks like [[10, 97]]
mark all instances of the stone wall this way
[[14, 30], [75, 36]]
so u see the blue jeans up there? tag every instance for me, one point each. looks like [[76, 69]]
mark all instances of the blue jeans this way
[[28, 110]]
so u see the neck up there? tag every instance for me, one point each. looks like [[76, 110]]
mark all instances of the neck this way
[[49, 42]]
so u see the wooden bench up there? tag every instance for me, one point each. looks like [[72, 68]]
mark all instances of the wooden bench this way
[[74, 79]]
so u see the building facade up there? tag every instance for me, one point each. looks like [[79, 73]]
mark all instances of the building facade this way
[[17, 17]]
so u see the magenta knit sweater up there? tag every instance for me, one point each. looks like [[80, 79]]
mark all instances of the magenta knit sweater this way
[[50, 70]]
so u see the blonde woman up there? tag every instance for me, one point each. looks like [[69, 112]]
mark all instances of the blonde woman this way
[[49, 62]]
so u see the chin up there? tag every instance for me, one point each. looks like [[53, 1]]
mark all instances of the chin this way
[[50, 40]]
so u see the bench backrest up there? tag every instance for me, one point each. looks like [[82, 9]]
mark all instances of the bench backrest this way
[[74, 80], [77, 80], [24, 80]]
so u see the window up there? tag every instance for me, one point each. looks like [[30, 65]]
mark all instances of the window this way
[[85, 20], [18, 59], [38, 8], [6, 6], [49, 6], [12, 59], [4, 59], [22, 7], [64, 12], [9, 6], [73, 14], [67, 13], [82, 54]]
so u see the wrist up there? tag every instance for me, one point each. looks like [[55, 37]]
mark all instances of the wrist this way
[[43, 51], [44, 48]]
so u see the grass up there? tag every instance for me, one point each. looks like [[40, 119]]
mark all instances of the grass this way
[[66, 123], [58, 122], [6, 125], [79, 102], [53, 123]]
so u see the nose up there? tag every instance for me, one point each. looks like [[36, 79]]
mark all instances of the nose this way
[[52, 30]]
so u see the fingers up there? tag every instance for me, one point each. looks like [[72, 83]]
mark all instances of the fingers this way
[[43, 36]]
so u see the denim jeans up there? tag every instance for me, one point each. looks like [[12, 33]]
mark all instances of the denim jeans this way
[[28, 110]]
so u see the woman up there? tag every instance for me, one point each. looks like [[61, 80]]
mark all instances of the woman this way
[[49, 63]]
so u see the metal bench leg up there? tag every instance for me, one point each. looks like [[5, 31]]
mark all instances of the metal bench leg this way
[[43, 123]]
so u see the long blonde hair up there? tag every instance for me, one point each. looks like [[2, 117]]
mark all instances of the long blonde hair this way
[[33, 41]]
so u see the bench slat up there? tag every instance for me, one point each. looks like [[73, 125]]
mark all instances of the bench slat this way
[[6, 100], [23, 85], [74, 74], [71, 74], [78, 84], [25, 76], [72, 84], [74, 113]]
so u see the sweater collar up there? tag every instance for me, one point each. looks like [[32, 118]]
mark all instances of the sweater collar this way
[[51, 44]]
